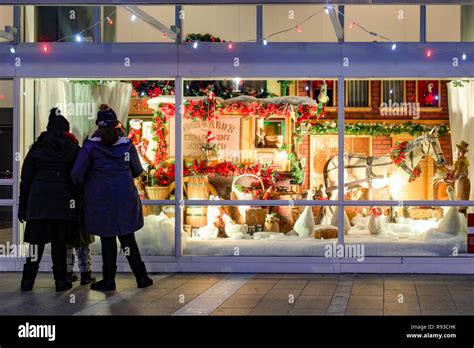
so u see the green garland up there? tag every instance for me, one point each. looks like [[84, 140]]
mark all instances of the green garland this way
[[191, 37], [371, 129]]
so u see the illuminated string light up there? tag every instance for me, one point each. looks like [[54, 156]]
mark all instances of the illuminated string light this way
[[110, 21], [394, 46], [78, 38], [265, 42], [195, 44], [351, 25], [12, 50], [464, 56], [45, 48], [429, 53], [133, 18], [163, 35], [298, 29], [326, 10], [230, 45]]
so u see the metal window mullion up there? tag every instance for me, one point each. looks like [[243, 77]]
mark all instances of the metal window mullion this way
[[178, 23], [17, 23], [261, 203], [98, 28], [178, 160], [423, 23], [434, 203], [16, 137], [340, 160], [259, 37]]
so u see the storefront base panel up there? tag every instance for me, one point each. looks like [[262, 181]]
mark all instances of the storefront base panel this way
[[396, 265]]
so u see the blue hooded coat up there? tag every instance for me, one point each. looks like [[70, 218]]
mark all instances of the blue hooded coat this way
[[112, 206]]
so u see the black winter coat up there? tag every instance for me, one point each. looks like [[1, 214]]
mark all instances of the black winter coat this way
[[46, 189]]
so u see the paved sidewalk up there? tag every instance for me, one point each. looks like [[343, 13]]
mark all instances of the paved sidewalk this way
[[248, 294]]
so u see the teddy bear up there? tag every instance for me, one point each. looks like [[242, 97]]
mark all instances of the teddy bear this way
[[135, 133]]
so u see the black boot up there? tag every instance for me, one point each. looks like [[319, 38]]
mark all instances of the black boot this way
[[87, 278], [60, 277], [108, 283], [139, 270], [135, 260], [72, 277], [30, 270]]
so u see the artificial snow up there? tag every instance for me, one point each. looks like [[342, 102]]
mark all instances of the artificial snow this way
[[407, 237]]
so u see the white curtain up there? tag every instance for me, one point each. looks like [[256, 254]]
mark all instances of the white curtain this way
[[79, 103], [461, 120]]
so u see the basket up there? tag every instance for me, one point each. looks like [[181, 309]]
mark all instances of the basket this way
[[236, 194], [157, 193]]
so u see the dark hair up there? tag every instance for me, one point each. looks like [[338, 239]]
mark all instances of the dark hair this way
[[108, 135]]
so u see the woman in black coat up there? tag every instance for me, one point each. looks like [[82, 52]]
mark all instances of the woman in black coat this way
[[105, 168], [48, 200]]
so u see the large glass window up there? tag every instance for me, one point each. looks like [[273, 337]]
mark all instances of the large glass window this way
[[135, 103], [6, 164], [399, 23]]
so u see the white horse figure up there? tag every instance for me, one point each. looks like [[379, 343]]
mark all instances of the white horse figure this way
[[379, 171]]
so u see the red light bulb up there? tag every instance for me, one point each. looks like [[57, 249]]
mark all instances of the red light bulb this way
[[163, 35], [429, 53], [230, 45], [110, 21], [298, 29], [45, 48]]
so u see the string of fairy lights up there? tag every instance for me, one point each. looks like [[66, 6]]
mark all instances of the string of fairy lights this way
[[230, 45]]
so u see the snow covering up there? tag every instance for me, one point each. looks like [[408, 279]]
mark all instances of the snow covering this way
[[406, 238]]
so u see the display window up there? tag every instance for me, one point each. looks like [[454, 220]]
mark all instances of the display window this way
[[246, 143]]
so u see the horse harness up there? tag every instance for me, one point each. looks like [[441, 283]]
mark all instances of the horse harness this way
[[370, 175]]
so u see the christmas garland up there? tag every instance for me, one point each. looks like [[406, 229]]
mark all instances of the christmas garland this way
[[160, 133], [266, 172], [151, 89], [398, 156], [211, 109], [191, 37], [330, 127]]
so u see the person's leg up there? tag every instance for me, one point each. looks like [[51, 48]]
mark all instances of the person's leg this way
[[109, 265], [30, 268], [71, 260], [59, 258], [85, 264], [130, 249]]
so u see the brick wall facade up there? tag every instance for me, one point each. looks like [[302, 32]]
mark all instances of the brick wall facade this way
[[382, 144]]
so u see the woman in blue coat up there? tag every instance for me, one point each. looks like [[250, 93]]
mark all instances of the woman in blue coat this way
[[48, 200], [105, 168]]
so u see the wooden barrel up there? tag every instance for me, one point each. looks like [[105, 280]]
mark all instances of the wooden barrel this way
[[197, 187], [196, 216]]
